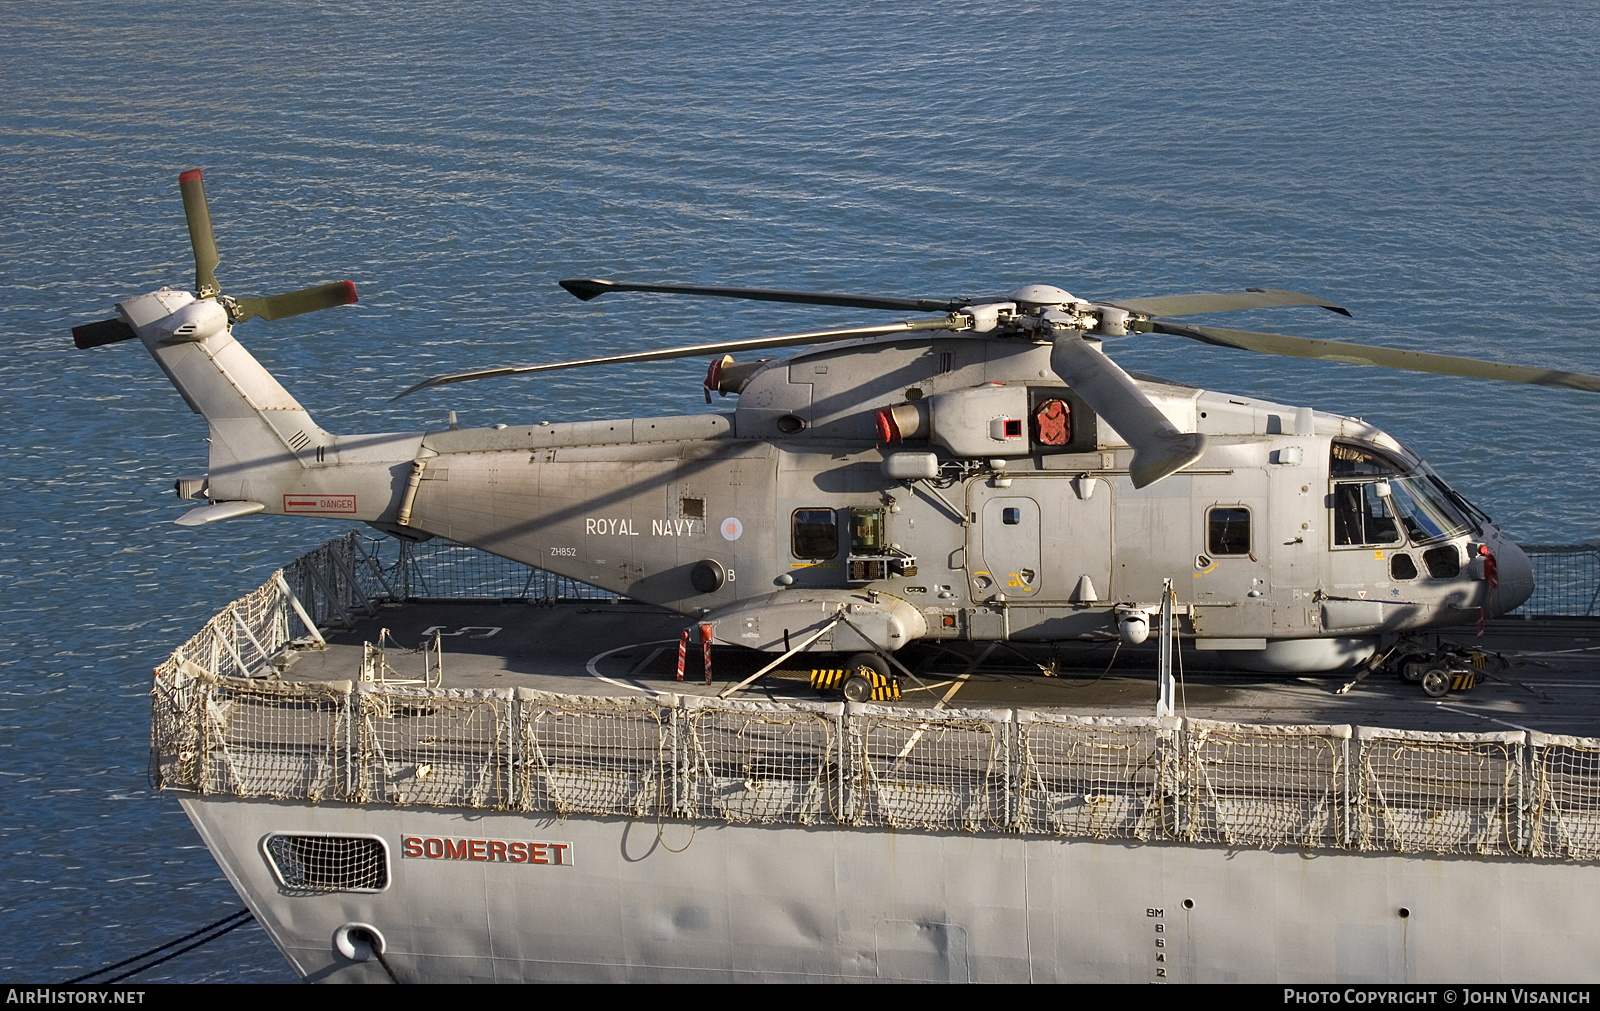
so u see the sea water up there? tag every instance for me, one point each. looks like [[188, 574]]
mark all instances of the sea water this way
[[1432, 166]]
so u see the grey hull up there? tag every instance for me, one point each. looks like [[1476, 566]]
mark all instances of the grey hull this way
[[638, 901]]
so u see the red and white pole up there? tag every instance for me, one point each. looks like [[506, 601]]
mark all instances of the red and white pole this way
[[706, 630]]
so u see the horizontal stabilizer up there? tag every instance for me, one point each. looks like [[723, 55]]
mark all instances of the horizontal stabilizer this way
[[107, 331], [218, 511]]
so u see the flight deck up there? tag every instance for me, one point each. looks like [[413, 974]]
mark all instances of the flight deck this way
[[596, 648]]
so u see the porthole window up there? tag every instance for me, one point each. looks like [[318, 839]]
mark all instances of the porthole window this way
[[814, 533], [1228, 530], [1402, 567]]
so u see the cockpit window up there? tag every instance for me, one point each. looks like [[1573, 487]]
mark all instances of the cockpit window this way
[[1382, 502], [1363, 516], [1358, 461], [1423, 508]]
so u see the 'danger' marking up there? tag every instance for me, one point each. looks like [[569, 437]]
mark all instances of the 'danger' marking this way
[[319, 503]]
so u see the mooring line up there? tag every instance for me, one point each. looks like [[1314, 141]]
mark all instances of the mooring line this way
[[239, 919]]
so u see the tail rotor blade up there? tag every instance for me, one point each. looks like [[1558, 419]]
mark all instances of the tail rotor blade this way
[[323, 296], [201, 236]]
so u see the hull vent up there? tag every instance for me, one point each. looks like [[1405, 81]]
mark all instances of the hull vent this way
[[329, 863]]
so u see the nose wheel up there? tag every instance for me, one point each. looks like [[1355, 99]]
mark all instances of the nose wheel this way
[[1438, 666], [1435, 682]]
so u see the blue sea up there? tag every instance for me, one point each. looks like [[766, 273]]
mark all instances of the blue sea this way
[[1434, 166]]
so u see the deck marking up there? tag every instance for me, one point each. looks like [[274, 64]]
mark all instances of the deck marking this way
[[1491, 719], [648, 658], [591, 665], [961, 679]]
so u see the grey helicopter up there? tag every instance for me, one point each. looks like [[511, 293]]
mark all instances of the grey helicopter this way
[[982, 473]]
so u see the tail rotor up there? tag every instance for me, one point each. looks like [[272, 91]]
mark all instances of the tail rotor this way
[[203, 239]]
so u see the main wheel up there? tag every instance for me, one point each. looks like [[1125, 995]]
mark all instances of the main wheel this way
[[857, 688], [871, 661], [1436, 682]]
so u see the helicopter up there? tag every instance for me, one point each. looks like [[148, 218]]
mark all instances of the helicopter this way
[[985, 472]]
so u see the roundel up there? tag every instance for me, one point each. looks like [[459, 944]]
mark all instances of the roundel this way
[[732, 528]]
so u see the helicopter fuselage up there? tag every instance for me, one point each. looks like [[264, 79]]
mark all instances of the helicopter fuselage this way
[[766, 520], [950, 487]]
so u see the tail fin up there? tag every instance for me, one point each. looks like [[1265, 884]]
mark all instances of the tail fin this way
[[261, 438]]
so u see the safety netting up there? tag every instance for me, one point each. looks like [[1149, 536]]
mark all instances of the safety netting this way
[[1096, 777], [1423, 791]]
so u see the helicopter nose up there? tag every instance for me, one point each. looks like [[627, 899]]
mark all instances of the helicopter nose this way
[[1515, 578]]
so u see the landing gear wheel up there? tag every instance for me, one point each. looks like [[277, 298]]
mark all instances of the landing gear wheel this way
[[1436, 682], [870, 669], [871, 661], [1411, 667]]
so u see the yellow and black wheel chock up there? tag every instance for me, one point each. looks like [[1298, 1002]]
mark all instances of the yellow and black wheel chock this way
[[884, 689]]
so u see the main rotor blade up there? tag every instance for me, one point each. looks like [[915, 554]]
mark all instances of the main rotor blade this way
[[588, 288], [1159, 449], [1210, 301], [690, 351], [1389, 358], [293, 303], [201, 237]]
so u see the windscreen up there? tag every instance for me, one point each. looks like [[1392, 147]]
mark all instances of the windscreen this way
[[1375, 497]]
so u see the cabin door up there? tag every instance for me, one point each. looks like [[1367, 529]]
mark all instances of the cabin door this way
[[1041, 539]]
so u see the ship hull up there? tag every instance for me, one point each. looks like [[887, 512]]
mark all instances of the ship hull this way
[[637, 900]]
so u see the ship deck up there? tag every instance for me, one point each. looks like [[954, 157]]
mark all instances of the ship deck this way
[[624, 648]]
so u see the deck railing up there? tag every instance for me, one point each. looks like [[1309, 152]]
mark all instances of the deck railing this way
[[222, 725]]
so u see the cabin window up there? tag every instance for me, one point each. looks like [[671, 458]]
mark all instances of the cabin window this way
[[694, 508], [1228, 531], [814, 533], [1361, 516], [1402, 567], [1443, 562]]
